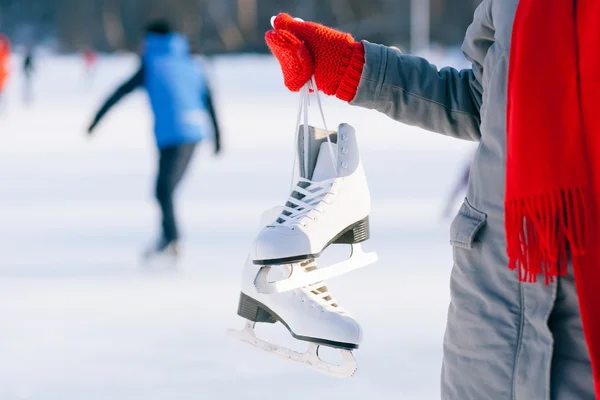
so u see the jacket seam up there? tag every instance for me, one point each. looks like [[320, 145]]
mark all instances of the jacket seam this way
[[519, 342], [488, 13], [489, 16], [546, 318], [494, 70], [459, 243], [380, 75]]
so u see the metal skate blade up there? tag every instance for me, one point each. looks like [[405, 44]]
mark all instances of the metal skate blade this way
[[310, 358], [300, 278]]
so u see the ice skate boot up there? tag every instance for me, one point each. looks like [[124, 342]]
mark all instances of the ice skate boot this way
[[309, 313], [329, 204], [164, 253]]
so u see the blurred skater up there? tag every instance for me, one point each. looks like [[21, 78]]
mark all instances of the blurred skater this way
[[90, 59], [28, 70], [5, 54], [460, 187], [184, 116]]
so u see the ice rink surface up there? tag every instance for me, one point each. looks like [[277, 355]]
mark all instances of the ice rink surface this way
[[80, 319]]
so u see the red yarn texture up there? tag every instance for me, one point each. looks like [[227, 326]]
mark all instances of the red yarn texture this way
[[304, 49]]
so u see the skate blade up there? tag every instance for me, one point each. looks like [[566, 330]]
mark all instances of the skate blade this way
[[310, 358], [301, 278]]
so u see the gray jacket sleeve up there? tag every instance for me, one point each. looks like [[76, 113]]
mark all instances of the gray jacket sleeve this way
[[411, 90]]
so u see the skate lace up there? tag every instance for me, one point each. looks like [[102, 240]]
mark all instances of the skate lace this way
[[306, 202], [319, 293], [307, 195], [303, 113]]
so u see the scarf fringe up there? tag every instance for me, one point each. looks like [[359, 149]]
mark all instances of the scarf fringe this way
[[543, 230]]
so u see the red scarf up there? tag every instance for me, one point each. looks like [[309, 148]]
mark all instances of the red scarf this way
[[553, 151]]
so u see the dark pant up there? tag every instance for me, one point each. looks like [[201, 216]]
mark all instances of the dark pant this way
[[173, 163]]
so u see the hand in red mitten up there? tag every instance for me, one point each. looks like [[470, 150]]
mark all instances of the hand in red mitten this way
[[293, 56], [304, 49]]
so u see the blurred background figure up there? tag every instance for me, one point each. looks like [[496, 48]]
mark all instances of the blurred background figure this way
[[459, 188], [90, 59], [4, 65], [28, 71], [184, 116]]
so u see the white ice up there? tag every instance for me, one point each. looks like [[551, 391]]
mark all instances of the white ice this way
[[80, 319]]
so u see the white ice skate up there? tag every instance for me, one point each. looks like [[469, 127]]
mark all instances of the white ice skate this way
[[310, 314], [329, 203]]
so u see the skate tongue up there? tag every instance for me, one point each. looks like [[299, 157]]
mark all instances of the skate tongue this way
[[324, 166]]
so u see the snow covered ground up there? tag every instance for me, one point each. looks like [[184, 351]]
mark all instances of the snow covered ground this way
[[79, 317]]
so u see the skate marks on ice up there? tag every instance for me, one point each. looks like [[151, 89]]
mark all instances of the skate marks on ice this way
[[311, 358], [300, 277]]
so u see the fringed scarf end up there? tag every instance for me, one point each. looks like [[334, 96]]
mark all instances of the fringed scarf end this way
[[542, 231]]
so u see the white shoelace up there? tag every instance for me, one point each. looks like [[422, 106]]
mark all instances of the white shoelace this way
[[303, 115], [319, 293], [314, 197], [312, 193]]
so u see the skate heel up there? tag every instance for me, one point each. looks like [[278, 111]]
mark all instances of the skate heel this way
[[254, 311], [359, 232]]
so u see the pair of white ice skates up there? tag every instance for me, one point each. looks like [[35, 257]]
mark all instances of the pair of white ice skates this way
[[329, 204]]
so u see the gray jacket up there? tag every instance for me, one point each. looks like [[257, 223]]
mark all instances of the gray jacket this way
[[504, 339]]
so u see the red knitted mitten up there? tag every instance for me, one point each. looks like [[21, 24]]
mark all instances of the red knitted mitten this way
[[337, 59]]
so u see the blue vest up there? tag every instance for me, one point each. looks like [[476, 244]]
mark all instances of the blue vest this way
[[176, 87]]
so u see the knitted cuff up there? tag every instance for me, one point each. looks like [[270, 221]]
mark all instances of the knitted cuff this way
[[349, 84]]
